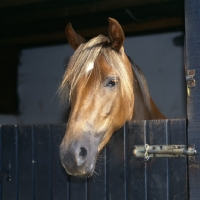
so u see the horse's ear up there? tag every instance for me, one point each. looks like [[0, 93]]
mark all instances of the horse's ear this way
[[115, 34], [73, 38]]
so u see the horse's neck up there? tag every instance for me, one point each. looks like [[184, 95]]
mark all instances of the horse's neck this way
[[142, 113], [141, 110]]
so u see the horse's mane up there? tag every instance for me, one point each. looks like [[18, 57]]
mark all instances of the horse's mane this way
[[87, 53], [140, 79]]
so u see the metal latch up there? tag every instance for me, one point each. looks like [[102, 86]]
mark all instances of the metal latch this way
[[166, 151], [190, 78]]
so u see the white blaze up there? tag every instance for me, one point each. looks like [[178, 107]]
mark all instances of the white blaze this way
[[89, 67]]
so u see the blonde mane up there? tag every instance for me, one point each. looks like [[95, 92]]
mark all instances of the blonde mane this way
[[87, 53]]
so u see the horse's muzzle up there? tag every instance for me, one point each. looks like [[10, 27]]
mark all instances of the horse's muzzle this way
[[77, 159]]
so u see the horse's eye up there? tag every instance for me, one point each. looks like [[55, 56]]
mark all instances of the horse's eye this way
[[112, 82]]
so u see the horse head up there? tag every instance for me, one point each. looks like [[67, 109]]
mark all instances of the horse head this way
[[99, 83]]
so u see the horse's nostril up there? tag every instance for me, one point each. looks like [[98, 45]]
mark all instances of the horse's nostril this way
[[82, 152]]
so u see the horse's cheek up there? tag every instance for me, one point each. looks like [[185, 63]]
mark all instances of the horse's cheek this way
[[106, 110]]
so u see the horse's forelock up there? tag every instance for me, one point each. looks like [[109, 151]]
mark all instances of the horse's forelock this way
[[86, 54]]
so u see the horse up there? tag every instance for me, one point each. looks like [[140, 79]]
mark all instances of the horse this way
[[105, 89]]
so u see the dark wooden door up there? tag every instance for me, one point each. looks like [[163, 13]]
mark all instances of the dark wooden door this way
[[29, 157], [192, 58]]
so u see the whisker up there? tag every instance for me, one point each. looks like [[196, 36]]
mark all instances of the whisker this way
[[96, 176], [96, 173]]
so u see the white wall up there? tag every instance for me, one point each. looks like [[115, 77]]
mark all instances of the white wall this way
[[41, 71]]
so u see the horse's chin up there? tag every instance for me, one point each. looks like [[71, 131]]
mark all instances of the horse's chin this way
[[80, 174]]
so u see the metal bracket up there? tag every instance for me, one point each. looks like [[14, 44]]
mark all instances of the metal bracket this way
[[166, 151], [190, 78]]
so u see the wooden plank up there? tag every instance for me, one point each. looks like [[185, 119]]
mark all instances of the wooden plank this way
[[47, 27], [18, 2], [58, 9], [192, 44], [25, 162], [59, 36], [42, 162], [116, 166], [78, 188], [178, 167], [192, 11], [9, 162], [135, 166], [157, 168], [97, 183], [1, 161], [60, 179]]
